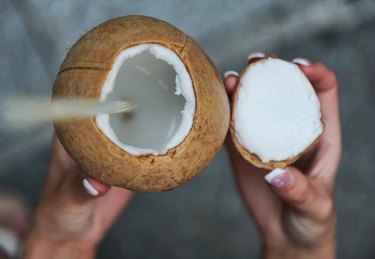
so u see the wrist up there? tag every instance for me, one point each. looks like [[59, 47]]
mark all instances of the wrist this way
[[325, 250], [40, 244]]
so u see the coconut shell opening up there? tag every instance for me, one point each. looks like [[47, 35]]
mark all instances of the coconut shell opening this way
[[156, 80]]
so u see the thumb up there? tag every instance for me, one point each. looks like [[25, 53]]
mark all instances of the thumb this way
[[93, 187], [64, 171], [292, 186], [79, 189]]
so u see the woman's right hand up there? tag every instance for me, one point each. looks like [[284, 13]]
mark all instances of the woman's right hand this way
[[294, 209]]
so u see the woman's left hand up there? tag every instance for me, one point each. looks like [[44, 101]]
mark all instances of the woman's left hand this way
[[74, 211]]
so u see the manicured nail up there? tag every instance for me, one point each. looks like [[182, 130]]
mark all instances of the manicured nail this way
[[279, 178], [230, 73], [256, 55], [9, 242], [89, 188], [302, 61]]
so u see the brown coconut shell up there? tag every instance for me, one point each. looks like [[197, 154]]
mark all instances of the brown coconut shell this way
[[82, 75], [247, 154]]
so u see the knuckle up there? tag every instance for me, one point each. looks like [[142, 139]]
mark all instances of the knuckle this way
[[331, 79], [300, 195], [324, 210]]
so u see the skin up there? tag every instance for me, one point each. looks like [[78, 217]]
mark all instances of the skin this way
[[295, 222], [69, 222]]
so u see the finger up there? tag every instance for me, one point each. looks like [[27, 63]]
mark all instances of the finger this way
[[112, 204], [250, 180], [322, 78], [64, 163], [60, 155], [60, 164], [325, 84], [230, 81], [272, 55], [326, 158], [79, 189], [80, 193], [93, 187], [257, 55], [292, 186]]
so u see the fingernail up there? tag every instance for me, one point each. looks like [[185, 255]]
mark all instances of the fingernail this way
[[302, 61], [9, 243], [256, 55], [279, 178], [89, 188], [230, 73]]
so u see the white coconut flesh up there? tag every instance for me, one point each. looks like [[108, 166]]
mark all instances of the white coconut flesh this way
[[157, 81], [277, 112]]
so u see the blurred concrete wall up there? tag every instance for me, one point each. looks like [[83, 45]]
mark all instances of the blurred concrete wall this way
[[204, 218]]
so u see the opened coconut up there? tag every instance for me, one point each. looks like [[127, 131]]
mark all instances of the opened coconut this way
[[276, 113], [182, 113]]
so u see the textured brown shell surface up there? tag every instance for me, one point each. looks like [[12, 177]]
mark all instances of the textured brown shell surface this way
[[82, 75], [98, 47], [247, 154]]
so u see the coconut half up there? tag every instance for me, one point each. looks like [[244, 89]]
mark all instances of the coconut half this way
[[182, 114], [156, 80], [276, 113]]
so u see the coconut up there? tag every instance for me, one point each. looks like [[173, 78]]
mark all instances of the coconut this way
[[182, 113], [276, 113]]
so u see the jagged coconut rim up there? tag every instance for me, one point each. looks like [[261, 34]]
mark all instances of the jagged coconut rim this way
[[184, 87]]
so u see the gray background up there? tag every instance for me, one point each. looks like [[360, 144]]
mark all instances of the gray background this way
[[204, 218]]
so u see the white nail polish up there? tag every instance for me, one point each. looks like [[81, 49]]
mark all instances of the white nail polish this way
[[230, 73], [89, 188], [302, 61], [273, 174], [9, 243], [256, 55]]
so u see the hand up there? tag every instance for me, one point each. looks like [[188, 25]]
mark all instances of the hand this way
[[74, 211], [294, 212]]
